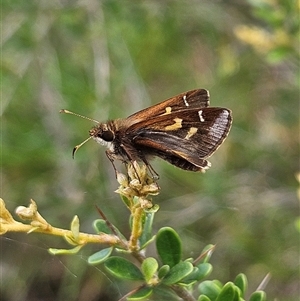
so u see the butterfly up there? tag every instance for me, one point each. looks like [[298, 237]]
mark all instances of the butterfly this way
[[182, 130]]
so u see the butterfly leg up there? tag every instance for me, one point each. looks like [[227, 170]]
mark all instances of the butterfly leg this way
[[110, 158], [154, 174]]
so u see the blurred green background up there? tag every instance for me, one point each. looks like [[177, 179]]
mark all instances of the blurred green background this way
[[108, 59]]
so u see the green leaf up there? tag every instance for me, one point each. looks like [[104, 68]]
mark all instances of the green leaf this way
[[201, 271], [122, 268], [258, 296], [75, 224], [227, 293], [100, 226], [147, 236], [206, 253], [168, 246], [191, 278], [204, 270], [141, 294], [218, 283], [210, 288], [149, 268], [163, 293], [203, 298], [153, 209], [65, 251], [178, 272], [241, 282], [126, 201], [73, 237], [146, 243], [163, 271], [100, 256]]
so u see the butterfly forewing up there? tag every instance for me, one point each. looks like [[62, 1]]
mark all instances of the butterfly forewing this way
[[190, 134], [191, 99]]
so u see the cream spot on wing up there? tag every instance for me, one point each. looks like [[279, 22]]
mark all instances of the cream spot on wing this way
[[168, 111], [185, 101], [174, 126], [201, 116], [192, 131]]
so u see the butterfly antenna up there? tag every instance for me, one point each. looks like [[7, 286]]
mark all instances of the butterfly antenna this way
[[78, 115], [84, 117], [79, 145]]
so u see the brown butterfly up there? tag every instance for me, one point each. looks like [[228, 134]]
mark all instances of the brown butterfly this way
[[182, 130]]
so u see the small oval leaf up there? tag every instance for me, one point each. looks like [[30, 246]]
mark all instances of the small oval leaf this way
[[168, 246], [210, 289], [100, 226], [178, 272], [163, 271], [100, 256], [258, 296], [141, 294], [65, 251], [206, 253], [199, 272], [227, 293], [75, 224], [122, 268], [146, 243], [147, 236], [204, 270], [241, 282], [125, 200], [149, 268], [191, 278]]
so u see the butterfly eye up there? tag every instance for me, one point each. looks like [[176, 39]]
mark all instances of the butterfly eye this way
[[107, 136]]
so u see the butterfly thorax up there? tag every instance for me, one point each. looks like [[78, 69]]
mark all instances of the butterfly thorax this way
[[111, 135]]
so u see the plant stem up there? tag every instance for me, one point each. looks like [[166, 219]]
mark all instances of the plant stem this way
[[182, 293], [137, 214]]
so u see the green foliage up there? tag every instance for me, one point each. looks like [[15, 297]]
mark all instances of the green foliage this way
[[100, 256], [175, 273], [147, 236], [163, 271], [258, 296], [149, 268], [229, 292], [75, 250], [175, 277], [211, 289], [200, 272], [241, 282], [141, 294], [101, 226], [123, 268], [168, 246], [215, 291]]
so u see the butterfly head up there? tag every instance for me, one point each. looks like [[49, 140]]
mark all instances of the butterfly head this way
[[102, 134]]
